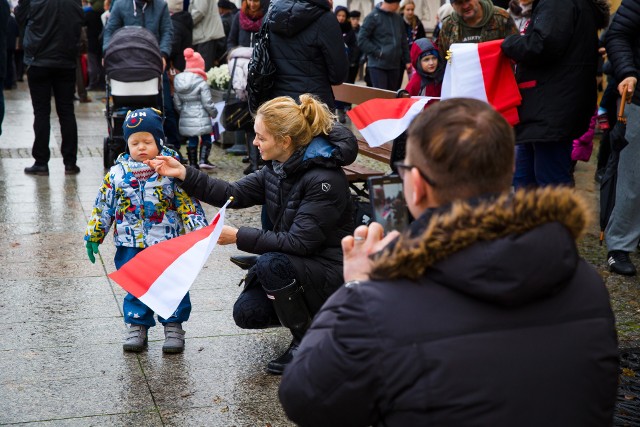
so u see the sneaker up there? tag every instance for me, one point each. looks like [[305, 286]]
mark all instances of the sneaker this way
[[37, 169], [173, 338], [71, 170], [602, 121], [206, 165], [620, 263], [136, 339]]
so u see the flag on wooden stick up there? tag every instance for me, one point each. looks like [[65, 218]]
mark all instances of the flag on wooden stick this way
[[161, 275]]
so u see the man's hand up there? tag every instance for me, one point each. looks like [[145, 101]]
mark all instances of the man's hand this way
[[92, 248], [630, 84], [168, 166], [366, 240], [228, 235], [164, 64]]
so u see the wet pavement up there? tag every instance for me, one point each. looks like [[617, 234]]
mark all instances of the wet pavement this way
[[61, 358]]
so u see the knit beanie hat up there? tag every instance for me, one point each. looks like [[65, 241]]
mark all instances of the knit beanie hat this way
[[144, 120], [354, 14], [195, 63], [392, 1]]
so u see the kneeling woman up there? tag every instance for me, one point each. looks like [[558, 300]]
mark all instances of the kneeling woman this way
[[307, 200]]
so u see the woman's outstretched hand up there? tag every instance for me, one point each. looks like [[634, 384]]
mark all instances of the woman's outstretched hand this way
[[168, 166]]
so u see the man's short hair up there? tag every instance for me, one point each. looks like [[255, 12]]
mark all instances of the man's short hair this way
[[465, 146]]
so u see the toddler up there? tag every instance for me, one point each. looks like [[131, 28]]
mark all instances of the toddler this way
[[193, 101], [145, 208], [427, 80]]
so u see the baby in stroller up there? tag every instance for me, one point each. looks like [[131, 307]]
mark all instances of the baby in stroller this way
[[133, 69]]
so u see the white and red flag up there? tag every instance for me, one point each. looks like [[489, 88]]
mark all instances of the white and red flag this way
[[161, 275], [382, 120], [482, 71]]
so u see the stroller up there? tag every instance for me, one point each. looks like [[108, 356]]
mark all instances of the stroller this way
[[133, 69]]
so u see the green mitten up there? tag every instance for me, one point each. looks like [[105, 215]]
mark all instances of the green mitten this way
[[92, 248]]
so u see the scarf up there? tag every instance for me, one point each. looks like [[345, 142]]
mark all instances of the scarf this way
[[141, 171], [248, 21]]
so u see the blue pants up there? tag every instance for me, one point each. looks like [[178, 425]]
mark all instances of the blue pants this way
[[540, 164], [135, 312], [385, 79], [193, 141]]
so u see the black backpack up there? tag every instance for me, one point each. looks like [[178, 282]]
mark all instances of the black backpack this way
[[262, 71]]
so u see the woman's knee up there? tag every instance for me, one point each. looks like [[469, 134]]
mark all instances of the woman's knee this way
[[275, 270], [253, 310]]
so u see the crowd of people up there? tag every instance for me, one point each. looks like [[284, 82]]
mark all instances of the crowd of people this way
[[482, 311]]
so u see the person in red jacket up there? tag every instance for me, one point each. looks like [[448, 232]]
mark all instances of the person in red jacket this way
[[427, 80]]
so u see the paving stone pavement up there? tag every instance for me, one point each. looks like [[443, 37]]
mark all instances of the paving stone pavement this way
[[61, 358]]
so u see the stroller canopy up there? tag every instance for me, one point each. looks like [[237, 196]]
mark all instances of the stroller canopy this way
[[133, 55]]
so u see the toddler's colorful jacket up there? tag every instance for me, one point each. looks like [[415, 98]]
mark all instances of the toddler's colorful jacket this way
[[146, 208]]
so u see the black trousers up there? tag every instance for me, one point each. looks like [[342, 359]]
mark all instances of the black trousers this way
[[43, 81]]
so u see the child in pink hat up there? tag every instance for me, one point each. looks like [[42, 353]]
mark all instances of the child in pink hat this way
[[193, 101]]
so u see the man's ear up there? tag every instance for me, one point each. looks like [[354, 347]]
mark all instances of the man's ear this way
[[423, 196]]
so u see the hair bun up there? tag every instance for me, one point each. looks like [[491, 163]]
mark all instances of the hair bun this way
[[188, 53]]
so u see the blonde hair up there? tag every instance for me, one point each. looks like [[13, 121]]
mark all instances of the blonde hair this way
[[283, 116]]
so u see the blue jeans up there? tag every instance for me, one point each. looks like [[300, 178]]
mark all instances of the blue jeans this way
[[135, 312], [193, 141], [540, 164]]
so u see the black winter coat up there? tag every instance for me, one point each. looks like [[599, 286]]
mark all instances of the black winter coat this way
[[623, 43], [4, 29], [239, 36], [317, 213], [93, 21], [504, 325], [182, 37], [557, 61], [304, 37], [51, 31]]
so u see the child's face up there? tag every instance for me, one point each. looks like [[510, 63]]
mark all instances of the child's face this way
[[354, 22], [429, 63], [142, 146], [341, 17]]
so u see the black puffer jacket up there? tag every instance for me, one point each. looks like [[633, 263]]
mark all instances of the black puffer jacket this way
[[182, 38], [305, 38], [318, 211], [557, 61], [51, 31], [623, 43], [504, 325]]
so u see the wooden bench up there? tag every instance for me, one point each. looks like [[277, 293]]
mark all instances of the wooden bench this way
[[356, 94]]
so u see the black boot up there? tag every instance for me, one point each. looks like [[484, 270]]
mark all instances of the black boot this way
[[204, 158], [192, 154], [294, 314]]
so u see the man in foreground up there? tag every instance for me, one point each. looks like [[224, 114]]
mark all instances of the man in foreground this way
[[481, 313]]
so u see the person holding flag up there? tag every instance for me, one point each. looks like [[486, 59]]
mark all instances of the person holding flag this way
[[307, 199], [146, 209]]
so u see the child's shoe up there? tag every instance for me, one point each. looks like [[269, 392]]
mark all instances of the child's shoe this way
[[173, 338], [602, 121], [136, 339]]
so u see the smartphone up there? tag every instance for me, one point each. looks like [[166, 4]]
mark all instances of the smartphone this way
[[389, 207]]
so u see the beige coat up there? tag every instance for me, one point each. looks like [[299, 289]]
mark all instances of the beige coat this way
[[207, 24]]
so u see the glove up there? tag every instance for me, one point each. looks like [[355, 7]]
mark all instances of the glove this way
[[92, 248]]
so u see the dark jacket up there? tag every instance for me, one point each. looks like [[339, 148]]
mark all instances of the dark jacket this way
[[317, 214], [383, 40], [182, 37], [623, 43], [486, 323], [93, 22], [4, 29], [51, 31], [350, 38], [421, 83], [304, 36], [557, 60], [238, 36]]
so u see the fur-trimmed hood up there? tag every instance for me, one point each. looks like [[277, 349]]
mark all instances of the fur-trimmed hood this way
[[506, 250]]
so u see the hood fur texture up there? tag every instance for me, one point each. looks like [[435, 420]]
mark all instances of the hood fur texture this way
[[466, 224]]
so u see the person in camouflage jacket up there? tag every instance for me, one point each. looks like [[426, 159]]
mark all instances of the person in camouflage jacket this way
[[474, 21]]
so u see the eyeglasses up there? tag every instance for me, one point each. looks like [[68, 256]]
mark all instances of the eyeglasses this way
[[402, 168]]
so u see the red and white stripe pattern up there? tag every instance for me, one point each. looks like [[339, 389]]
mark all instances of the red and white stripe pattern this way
[[161, 275], [382, 120], [482, 71]]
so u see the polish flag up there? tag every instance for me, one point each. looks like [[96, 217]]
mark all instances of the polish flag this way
[[482, 71], [161, 275], [382, 120]]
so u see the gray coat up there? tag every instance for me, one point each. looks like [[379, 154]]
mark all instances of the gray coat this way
[[192, 99]]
